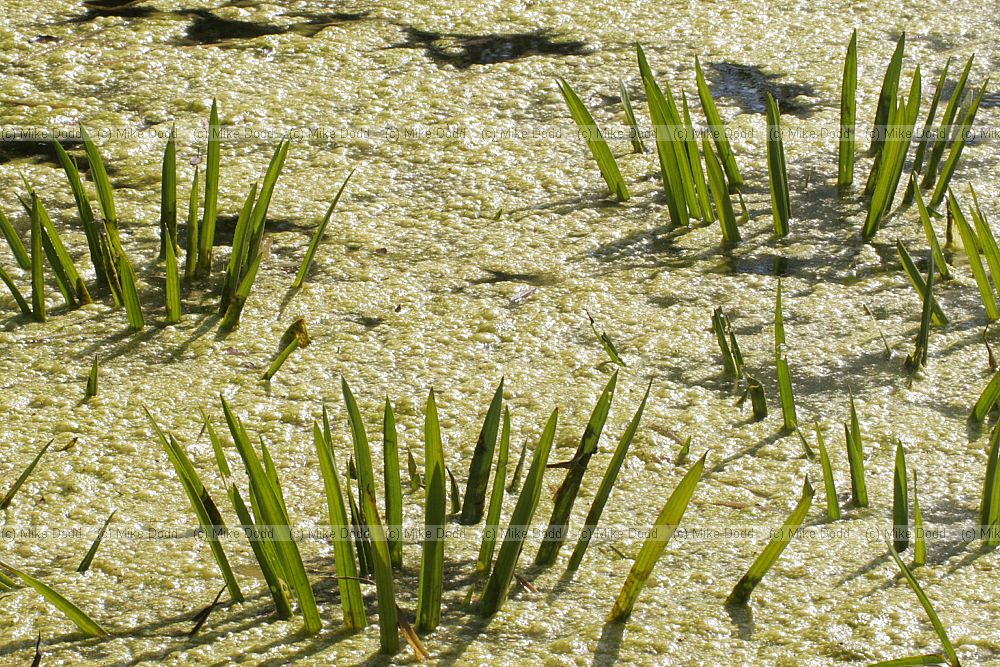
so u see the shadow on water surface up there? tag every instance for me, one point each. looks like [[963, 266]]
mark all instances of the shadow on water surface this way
[[463, 50], [742, 618], [130, 9], [748, 86], [211, 29]]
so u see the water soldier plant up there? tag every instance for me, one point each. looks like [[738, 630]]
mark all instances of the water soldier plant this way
[[88, 558], [848, 114], [663, 529], [607, 485], [82, 621], [989, 506], [484, 562], [745, 586], [732, 356], [972, 244], [924, 138], [606, 343], [481, 463], [718, 131], [295, 336], [856, 458], [595, 141], [23, 477], [377, 546], [829, 486], [918, 359], [635, 133], [576, 468], [781, 364], [900, 503], [495, 592], [919, 535], [777, 171], [318, 236], [432, 553], [949, 650]]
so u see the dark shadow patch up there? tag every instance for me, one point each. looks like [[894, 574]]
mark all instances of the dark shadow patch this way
[[464, 50], [742, 619], [536, 279], [767, 265], [748, 86], [44, 152], [990, 101], [129, 9], [225, 229], [208, 28], [315, 23], [366, 321]]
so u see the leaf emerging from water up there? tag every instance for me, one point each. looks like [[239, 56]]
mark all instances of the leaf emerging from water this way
[[718, 131], [662, 530], [7, 499], [485, 561], [206, 239], [605, 340], [173, 287], [318, 236], [130, 294], [388, 622], [272, 513], [777, 171], [832, 506], [972, 244], [393, 485], [946, 130], [482, 459], [919, 537], [925, 221], [295, 336], [925, 602], [720, 195], [607, 485], [989, 506], [781, 364], [745, 586], [92, 551], [351, 602], [431, 582], [918, 359], [900, 503], [595, 141], [86, 624], [565, 497], [102, 183], [168, 196], [948, 170], [636, 138], [520, 521], [848, 113], [202, 504], [938, 318]]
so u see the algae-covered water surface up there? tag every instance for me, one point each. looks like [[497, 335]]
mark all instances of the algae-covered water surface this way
[[477, 241]]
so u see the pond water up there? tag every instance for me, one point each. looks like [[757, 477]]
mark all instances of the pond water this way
[[470, 244]]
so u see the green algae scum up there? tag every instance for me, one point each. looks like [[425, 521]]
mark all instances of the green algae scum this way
[[590, 268]]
